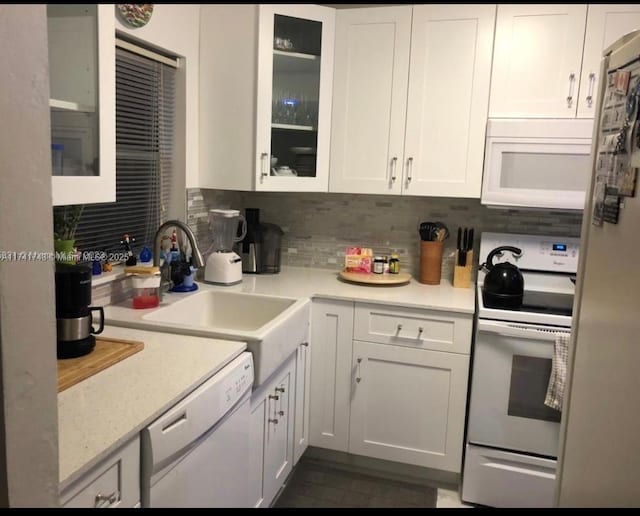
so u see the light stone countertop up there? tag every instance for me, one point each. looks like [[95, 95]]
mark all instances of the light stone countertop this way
[[303, 282], [104, 411]]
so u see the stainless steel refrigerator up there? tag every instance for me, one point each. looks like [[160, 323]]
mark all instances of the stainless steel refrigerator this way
[[599, 456]]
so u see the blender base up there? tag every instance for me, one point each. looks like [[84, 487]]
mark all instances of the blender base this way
[[223, 268]]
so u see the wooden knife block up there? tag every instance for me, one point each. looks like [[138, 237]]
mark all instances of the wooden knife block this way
[[462, 275]]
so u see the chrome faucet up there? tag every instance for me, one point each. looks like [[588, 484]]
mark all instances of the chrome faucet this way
[[195, 252]]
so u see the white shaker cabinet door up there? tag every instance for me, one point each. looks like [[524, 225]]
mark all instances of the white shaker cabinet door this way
[[331, 345], [537, 60], [408, 405], [605, 24], [369, 99], [450, 72]]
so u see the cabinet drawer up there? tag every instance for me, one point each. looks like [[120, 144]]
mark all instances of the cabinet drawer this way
[[413, 327], [114, 482]]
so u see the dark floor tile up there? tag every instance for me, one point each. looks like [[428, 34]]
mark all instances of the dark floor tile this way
[[312, 475], [365, 486], [299, 501], [331, 494], [353, 499]]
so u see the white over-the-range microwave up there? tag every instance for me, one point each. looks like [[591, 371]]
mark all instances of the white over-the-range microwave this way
[[537, 163]]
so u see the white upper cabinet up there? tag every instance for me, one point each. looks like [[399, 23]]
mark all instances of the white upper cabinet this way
[[407, 117], [82, 101], [450, 71], [605, 24], [266, 75], [537, 60], [370, 99], [546, 57]]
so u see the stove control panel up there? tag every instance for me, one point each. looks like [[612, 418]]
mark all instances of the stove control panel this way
[[539, 252]]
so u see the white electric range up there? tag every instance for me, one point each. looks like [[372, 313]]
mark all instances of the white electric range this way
[[512, 436]]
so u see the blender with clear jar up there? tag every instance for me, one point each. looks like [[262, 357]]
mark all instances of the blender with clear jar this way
[[224, 266]]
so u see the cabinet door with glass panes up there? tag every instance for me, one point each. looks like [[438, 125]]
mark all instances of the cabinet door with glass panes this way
[[82, 102], [295, 76]]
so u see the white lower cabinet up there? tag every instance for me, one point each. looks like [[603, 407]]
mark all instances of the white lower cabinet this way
[[302, 394], [331, 341], [113, 482], [408, 405], [271, 447], [401, 398]]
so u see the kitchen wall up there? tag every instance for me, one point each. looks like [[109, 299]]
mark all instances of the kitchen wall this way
[[318, 226]]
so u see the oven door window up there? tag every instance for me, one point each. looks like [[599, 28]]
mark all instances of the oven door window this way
[[511, 368], [529, 382]]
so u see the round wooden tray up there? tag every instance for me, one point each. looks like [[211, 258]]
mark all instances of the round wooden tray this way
[[376, 279]]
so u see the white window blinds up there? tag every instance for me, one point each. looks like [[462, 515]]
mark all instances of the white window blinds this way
[[145, 116]]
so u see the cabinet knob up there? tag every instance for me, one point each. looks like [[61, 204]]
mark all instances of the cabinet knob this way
[[420, 330], [279, 389], [306, 344], [274, 421], [272, 397], [398, 328], [105, 500], [281, 412]]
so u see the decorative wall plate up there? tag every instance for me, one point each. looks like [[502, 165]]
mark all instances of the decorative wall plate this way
[[135, 15]]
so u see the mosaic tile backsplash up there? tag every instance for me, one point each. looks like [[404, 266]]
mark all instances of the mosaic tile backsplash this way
[[319, 226]]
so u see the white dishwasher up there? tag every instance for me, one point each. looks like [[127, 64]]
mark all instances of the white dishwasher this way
[[197, 453]]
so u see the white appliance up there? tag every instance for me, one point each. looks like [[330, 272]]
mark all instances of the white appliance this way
[[224, 266], [512, 436], [197, 453], [537, 163], [600, 444]]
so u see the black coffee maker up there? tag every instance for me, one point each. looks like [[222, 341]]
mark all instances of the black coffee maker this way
[[73, 313]]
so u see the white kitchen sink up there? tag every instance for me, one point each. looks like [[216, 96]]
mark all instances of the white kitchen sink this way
[[216, 309], [272, 326]]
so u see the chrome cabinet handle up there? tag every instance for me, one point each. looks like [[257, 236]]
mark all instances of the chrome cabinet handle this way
[[572, 80], [394, 164], [105, 500], [272, 397], [305, 344], [279, 389], [263, 160], [409, 169], [358, 378], [274, 421], [592, 82]]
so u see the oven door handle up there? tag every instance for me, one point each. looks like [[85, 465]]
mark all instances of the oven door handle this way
[[525, 331]]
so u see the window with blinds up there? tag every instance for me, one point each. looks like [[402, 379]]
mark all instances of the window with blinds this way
[[145, 115]]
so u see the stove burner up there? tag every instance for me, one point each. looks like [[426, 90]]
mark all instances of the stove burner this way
[[546, 303]]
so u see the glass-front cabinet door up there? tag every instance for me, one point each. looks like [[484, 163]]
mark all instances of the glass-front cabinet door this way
[[82, 102], [295, 69]]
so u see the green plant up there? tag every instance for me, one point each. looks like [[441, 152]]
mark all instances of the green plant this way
[[65, 221]]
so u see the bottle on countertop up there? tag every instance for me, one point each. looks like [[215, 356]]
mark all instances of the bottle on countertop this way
[[394, 264], [378, 265]]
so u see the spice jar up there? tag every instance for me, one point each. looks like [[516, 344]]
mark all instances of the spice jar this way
[[378, 265], [394, 264]]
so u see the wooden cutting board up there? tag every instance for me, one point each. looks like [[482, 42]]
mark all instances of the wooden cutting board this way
[[376, 279], [106, 353]]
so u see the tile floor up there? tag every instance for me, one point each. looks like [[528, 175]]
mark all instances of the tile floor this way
[[315, 484]]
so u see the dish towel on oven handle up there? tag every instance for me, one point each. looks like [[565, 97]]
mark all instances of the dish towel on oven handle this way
[[555, 389]]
